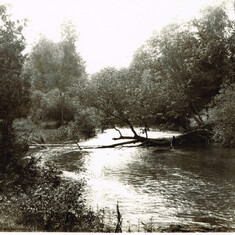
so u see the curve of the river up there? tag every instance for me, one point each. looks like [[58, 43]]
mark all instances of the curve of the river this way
[[194, 186]]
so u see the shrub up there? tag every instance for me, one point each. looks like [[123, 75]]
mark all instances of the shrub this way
[[83, 127], [38, 199], [59, 208], [224, 116]]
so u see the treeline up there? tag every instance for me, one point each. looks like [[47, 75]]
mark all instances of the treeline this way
[[182, 78]]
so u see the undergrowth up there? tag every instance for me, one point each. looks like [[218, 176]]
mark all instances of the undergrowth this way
[[38, 199]]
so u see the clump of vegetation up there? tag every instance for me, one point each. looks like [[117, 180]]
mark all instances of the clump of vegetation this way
[[224, 116], [149, 226], [59, 208], [83, 127], [38, 199]]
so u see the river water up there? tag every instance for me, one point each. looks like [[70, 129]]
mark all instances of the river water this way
[[192, 186]]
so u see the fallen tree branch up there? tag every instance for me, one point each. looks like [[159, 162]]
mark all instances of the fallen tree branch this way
[[191, 137], [124, 138], [150, 141], [35, 144], [118, 144]]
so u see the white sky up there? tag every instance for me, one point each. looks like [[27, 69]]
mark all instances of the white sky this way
[[109, 30]]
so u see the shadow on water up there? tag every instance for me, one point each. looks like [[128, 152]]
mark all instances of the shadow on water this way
[[71, 161]]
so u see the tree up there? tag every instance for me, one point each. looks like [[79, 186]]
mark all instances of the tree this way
[[189, 63], [123, 100], [116, 94], [213, 31], [56, 65], [163, 59], [14, 88]]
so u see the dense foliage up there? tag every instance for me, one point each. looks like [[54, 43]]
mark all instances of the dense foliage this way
[[82, 128], [38, 199], [53, 68], [224, 116], [14, 88], [189, 63], [173, 79]]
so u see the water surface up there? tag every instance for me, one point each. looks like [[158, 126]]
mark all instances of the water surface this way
[[192, 186]]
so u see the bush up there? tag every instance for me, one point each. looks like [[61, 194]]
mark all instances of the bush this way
[[224, 116], [12, 148], [85, 123], [83, 127], [59, 209], [38, 199]]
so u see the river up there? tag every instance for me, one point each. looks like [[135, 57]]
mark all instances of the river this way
[[190, 186]]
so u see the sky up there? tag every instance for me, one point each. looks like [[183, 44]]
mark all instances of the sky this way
[[110, 31]]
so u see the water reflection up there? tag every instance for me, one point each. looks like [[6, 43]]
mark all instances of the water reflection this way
[[174, 186]]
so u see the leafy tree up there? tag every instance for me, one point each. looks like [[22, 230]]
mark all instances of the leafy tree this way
[[163, 59], [14, 88], [56, 65], [213, 32], [120, 98], [188, 63], [106, 92]]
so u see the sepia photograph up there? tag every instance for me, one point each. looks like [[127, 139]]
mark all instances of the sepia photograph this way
[[117, 116]]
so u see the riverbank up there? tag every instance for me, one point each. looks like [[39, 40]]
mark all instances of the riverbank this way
[[38, 198], [44, 132]]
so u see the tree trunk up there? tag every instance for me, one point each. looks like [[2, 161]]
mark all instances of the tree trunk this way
[[196, 116], [62, 108], [199, 136]]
